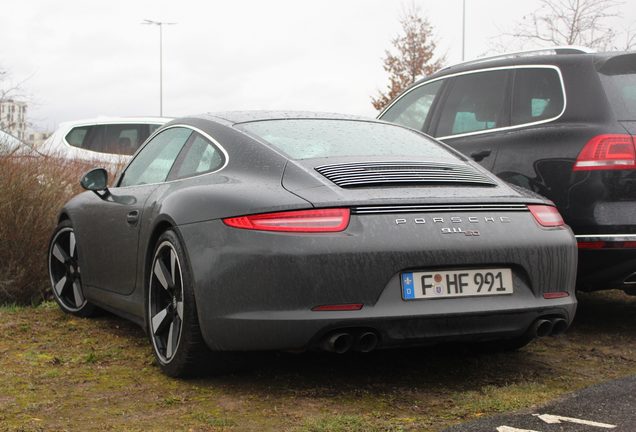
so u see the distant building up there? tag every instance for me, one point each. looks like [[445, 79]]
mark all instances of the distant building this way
[[13, 118], [35, 139]]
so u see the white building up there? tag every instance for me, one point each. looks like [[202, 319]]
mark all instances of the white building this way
[[13, 118], [35, 138]]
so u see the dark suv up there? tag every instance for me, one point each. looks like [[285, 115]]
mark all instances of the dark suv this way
[[560, 122]]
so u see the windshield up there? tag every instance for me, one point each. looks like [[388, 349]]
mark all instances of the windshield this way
[[318, 138]]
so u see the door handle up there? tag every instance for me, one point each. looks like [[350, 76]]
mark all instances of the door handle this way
[[480, 155], [133, 217]]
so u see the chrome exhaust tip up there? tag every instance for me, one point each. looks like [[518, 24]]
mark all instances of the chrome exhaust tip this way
[[541, 328], [559, 326], [338, 342], [366, 342]]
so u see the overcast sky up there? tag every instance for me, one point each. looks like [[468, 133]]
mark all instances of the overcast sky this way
[[80, 59]]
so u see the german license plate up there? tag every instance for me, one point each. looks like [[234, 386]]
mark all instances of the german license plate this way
[[456, 283]]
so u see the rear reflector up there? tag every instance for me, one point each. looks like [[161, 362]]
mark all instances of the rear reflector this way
[[555, 295], [607, 245], [607, 152], [309, 221], [546, 216], [338, 307], [591, 244]]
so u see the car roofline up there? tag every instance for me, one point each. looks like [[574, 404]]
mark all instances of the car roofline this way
[[115, 120]]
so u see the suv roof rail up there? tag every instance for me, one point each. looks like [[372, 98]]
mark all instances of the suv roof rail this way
[[561, 49]]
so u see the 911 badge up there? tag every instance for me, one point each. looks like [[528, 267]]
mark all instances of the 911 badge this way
[[457, 230]]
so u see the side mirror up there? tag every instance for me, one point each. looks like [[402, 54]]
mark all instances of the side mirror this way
[[95, 180]]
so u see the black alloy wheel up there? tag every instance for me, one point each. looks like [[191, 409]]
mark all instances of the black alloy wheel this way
[[165, 302], [65, 272], [172, 319]]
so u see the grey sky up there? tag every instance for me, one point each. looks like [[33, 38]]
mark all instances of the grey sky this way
[[84, 58]]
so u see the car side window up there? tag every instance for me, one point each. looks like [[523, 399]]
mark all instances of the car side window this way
[[118, 139], [77, 135], [199, 156], [537, 95], [153, 163], [413, 109], [475, 102]]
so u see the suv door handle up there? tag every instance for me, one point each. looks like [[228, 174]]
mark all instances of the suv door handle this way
[[480, 155], [133, 217]]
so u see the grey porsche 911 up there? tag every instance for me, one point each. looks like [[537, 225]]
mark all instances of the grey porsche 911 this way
[[249, 231]]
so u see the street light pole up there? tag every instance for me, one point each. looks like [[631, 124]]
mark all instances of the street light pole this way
[[463, 29], [160, 24]]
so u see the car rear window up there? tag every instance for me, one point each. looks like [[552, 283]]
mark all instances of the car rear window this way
[[319, 138], [621, 92], [119, 139]]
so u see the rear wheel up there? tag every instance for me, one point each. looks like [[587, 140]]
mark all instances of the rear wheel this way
[[173, 322], [65, 274]]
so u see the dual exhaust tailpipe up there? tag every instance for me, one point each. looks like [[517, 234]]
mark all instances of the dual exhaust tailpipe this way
[[365, 341], [549, 327], [341, 342]]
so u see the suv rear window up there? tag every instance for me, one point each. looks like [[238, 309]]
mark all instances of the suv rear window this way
[[319, 138], [119, 139], [621, 92]]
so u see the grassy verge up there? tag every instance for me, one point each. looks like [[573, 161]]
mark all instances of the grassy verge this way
[[62, 373]]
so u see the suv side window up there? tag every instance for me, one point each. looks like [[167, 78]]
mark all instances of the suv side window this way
[[198, 157], [537, 95], [475, 102], [412, 110], [153, 163], [77, 135]]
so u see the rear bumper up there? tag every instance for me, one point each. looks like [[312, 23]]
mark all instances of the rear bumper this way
[[255, 290], [608, 267], [394, 321]]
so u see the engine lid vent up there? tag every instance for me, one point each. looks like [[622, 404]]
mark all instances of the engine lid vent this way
[[369, 174]]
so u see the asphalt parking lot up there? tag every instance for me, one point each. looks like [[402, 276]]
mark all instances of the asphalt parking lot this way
[[608, 406]]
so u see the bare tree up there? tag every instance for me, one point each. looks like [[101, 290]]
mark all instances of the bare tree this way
[[627, 39], [8, 89], [414, 56], [572, 22]]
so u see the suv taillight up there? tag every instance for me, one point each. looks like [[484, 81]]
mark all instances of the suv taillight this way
[[607, 152]]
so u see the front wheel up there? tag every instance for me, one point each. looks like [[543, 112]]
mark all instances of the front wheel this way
[[65, 273]]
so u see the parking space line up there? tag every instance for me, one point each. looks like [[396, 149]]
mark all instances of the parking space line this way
[[553, 419]]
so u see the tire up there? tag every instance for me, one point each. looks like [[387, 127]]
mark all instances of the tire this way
[[64, 272], [171, 315]]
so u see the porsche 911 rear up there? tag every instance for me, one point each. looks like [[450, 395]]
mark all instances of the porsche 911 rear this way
[[385, 252], [395, 275]]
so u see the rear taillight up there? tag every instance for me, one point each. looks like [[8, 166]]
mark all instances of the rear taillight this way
[[607, 152], [309, 221], [546, 216]]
